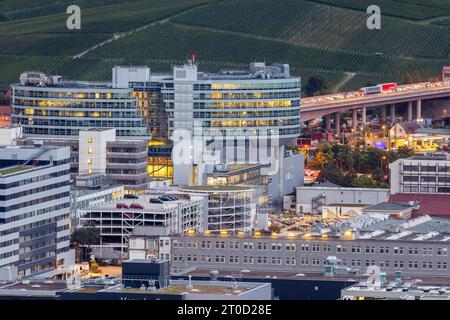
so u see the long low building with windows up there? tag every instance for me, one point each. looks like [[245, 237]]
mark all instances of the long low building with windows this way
[[391, 244]]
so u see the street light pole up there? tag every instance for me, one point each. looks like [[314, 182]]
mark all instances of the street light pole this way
[[381, 164]]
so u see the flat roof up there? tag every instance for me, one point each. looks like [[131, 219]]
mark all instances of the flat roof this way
[[234, 169], [217, 188], [178, 287], [36, 285], [250, 274], [389, 206], [143, 200], [14, 169], [356, 205], [97, 129]]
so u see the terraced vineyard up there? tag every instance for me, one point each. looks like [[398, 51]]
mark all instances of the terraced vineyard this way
[[338, 28], [411, 9], [316, 37]]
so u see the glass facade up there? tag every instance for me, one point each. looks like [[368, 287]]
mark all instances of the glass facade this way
[[64, 110], [236, 105], [151, 106]]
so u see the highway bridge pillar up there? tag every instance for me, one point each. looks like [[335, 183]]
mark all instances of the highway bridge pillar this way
[[363, 116], [419, 109], [328, 122], [354, 120], [383, 114], [392, 114], [337, 123], [410, 111]]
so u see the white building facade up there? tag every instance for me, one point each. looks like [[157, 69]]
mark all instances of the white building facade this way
[[34, 209], [421, 175], [92, 150]]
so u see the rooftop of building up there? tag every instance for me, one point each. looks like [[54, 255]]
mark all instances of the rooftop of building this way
[[405, 290], [441, 131], [14, 169], [256, 71], [152, 231], [42, 288], [430, 157], [363, 227], [385, 227], [144, 201], [332, 186], [146, 261], [341, 204], [428, 204], [97, 129], [251, 274], [410, 127], [38, 79], [235, 168], [83, 191], [216, 188], [179, 287], [389, 206]]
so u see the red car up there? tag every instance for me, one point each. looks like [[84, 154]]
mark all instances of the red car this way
[[122, 206], [136, 206]]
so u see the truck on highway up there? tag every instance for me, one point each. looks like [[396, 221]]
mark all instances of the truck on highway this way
[[384, 87]]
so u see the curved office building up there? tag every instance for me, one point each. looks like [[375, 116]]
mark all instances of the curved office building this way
[[234, 103], [246, 117], [47, 106], [230, 208]]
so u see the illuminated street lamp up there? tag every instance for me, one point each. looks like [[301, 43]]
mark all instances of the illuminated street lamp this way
[[383, 158]]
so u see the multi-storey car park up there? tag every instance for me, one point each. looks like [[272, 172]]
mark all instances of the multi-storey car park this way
[[230, 208], [116, 220], [46, 106]]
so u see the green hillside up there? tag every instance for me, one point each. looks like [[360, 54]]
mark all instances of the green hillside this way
[[316, 37]]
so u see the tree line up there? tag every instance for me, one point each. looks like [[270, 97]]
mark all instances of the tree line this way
[[353, 167]]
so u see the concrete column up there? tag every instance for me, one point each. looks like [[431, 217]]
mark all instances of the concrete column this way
[[328, 122], [354, 120], [419, 109], [337, 123], [410, 111], [363, 116], [393, 114], [383, 114]]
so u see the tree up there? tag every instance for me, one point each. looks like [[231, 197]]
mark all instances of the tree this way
[[315, 85], [364, 182], [85, 236], [408, 79], [325, 149], [344, 157], [417, 76]]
